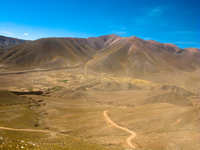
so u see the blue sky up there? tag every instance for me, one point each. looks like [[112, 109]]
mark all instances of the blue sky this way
[[166, 21]]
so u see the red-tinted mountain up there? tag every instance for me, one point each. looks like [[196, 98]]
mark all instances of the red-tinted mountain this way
[[109, 54], [128, 54], [138, 57], [54, 52], [190, 58]]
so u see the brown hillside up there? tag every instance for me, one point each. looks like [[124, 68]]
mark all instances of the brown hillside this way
[[169, 97], [7, 97], [103, 41], [190, 58], [178, 90], [190, 52], [110, 86], [128, 55], [2, 50], [139, 57], [49, 53], [55, 52], [104, 54]]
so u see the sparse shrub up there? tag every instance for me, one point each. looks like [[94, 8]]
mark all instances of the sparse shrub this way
[[65, 81], [55, 88], [30, 89]]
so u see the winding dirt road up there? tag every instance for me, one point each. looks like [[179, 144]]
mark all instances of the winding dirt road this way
[[129, 139], [27, 130]]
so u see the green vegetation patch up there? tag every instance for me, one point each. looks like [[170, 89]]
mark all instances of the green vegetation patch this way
[[65, 81], [55, 88]]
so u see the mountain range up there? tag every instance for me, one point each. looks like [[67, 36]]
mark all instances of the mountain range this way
[[7, 41], [108, 54]]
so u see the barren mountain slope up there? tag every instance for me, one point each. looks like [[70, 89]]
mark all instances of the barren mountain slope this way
[[139, 57], [50, 52], [168, 97], [129, 55], [108, 54], [190, 58], [7, 41], [54, 52], [103, 41]]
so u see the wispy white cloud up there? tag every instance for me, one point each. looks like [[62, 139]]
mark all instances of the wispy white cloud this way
[[119, 32], [186, 42], [147, 38], [151, 16], [26, 34], [142, 20], [186, 32], [155, 11], [8, 33]]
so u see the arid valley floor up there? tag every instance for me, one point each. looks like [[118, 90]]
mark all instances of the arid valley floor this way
[[68, 112]]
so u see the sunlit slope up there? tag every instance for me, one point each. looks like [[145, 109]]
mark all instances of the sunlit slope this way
[[129, 56], [50, 52], [134, 56], [104, 54], [54, 52]]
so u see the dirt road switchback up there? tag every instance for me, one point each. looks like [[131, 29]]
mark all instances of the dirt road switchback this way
[[130, 138]]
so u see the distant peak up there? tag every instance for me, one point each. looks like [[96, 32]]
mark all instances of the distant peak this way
[[153, 41], [192, 48], [111, 36]]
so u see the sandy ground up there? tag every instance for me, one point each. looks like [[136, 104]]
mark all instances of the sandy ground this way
[[73, 101]]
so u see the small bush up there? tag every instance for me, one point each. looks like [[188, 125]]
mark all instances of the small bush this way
[[65, 81]]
